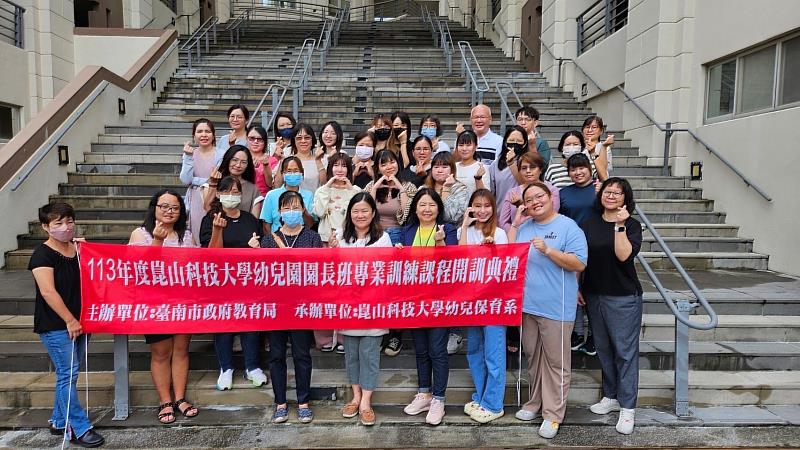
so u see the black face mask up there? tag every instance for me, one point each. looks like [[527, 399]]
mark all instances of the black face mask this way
[[382, 134], [516, 148], [397, 131]]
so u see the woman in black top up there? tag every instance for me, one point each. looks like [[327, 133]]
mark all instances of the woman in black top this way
[[226, 226], [614, 298], [54, 265], [291, 234], [417, 172]]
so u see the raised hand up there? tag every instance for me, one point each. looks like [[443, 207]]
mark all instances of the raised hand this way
[[518, 216], [214, 178], [160, 232], [459, 127], [481, 170], [609, 140], [333, 242], [403, 137], [219, 221], [254, 242], [279, 145], [622, 215], [597, 185], [510, 156], [439, 236], [188, 149], [319, 152], [469, 218], [515, 199], [449, 181]]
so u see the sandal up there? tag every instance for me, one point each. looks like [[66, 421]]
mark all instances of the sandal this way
[[188, 411], [165, 417]]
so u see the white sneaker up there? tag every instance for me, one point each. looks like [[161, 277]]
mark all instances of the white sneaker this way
[[482, 415], [257, 376], [605, 406], [454, 343], [225, 380], [626, 421], [525, 415], [421, 402], [470, 407], [548, 430]]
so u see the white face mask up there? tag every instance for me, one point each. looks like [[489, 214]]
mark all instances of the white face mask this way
[[570, 150], [230, 201], [363, 152]]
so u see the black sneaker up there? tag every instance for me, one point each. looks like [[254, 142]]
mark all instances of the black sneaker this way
[[90, 439], [393, 347], [575, 341], [588, 347]]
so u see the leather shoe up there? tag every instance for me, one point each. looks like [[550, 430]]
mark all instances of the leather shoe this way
[[90, 439], [56, 431]]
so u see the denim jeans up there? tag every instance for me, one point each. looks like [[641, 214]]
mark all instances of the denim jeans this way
[[301, 340], [617, 322], [486, 355], [395, 234], [61, 350], [430, 345], [223, 343]]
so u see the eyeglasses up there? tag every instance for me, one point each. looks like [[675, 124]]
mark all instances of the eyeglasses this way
[[255, 139], [591, 127], [239, 162], [613, 193], [480, 117], [236, 117], [523, 119], [166, 207], [536, 198]]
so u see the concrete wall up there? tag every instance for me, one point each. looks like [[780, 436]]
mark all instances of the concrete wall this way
[[93, 50], [44, 179], [14, 88]]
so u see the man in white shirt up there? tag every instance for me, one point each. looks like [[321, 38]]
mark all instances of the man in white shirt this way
[[489, 142]]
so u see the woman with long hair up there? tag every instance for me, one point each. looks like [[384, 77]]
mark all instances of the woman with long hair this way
[[256, 143], [236, 163], [454, 193], [392, 196], [238, 115], [165, 226], [200, 158]]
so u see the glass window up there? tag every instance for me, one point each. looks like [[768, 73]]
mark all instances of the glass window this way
[[721, 88], [758, 77], [790, 73], [6, 122]]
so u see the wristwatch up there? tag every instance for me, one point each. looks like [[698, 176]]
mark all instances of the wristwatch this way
[[477, 177], [619, 229]]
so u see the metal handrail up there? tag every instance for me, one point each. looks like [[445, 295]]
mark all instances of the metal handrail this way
[[202, 32], [375, 7], [505, 111], [148, 23], [197, 31], [513, 38], [476, 92], [298, 87], [235, 26], [666, 128], [302, 11], [446, 40], [18, 31]]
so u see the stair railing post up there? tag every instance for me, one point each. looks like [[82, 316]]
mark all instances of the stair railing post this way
[[502, 110], [214, 28], [206, 42], [274, 104], [449, 63], [189, 59], [121, 377], [480, 98], [682, 359], [667, 136], [295, 105]]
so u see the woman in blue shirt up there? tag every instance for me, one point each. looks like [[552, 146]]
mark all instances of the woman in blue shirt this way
[[557, 257]]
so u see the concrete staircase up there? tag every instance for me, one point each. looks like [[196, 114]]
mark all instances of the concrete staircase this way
[[750, 359]]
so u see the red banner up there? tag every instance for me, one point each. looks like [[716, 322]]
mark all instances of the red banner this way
[[136, 290]]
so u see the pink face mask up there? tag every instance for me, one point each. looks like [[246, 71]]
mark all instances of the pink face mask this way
[[63, 233]]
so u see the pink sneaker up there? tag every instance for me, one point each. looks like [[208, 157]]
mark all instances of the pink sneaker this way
[[421, 402], [436, 412]]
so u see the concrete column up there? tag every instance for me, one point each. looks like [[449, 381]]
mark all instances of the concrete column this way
[[49, 43]]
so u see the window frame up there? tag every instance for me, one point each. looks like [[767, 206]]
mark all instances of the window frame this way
[[777, 81]]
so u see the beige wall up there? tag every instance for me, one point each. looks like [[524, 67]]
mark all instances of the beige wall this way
[[94, 50], [14, 86]]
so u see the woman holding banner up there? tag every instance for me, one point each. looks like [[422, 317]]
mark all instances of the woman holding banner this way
[[486, 351], [165, 225], [54, 265], [426, 228], [291, 234], [226, 226], [556, 258], [362, 348]]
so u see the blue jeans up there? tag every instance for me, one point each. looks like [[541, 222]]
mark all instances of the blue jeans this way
[[223, 343], [430, 345], [486, 354], [617, 323], [301, 340], [61, 350]]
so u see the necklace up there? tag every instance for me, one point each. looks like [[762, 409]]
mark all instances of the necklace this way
[[286, 238], [430, 235]]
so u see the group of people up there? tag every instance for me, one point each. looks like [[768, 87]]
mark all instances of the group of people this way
[[306, 190]]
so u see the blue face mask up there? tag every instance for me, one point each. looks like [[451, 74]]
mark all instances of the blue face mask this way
[[285, 132], [293, 179], [428, 132], [292, 218]]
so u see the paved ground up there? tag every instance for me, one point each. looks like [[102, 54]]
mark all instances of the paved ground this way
[[716, 427]]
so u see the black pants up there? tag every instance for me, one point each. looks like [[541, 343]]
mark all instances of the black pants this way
[[301, 340]]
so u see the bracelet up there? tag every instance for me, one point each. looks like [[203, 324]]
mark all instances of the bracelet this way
[[515, 226]]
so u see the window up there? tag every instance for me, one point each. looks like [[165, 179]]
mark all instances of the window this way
[[790, 72], [755, 81], [8, 122]]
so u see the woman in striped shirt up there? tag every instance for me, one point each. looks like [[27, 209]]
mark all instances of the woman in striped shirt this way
[[572, 143]]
